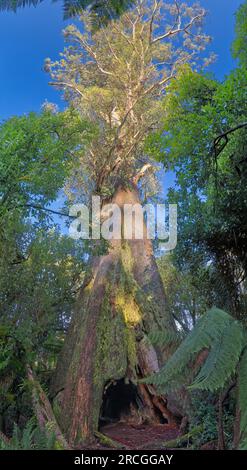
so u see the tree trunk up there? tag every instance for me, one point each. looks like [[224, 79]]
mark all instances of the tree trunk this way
[[121, 302]]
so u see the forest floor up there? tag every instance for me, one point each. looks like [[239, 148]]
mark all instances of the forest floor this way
[[136, 437]]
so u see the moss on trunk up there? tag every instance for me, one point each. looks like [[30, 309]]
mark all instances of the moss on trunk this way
[[108, 336]]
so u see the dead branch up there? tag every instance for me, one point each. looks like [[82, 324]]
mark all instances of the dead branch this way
[[224, 135], [68, 85], [107, 441], [179, 29], [142, 172]]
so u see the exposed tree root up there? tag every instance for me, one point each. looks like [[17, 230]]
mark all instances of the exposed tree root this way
[[107, 441], [181, 439]]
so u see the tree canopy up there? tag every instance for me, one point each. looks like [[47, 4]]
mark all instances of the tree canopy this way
[[204, 141], [116, 76]]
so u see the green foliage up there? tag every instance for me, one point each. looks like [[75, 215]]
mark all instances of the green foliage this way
[[222, 359], [216, 332], [44, 284], [36, 301], [211, 179], [41, 269], [223, 339], [188, 293], [30, 438], [37, 154], [101, 11], [205, 411], [41, 154], [117, 93], [168, 338], [104, 10], [240, 43]]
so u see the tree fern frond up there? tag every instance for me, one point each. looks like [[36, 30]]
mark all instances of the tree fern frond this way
[[165, 338], [103, 10], [13, 5], [207, 331], [222, 360], [73, 8], [225, 340]]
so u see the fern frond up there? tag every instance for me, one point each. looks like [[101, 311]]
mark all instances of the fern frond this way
[[222, 360], [104, 10], [165, 338], [223, 355], [15, 442], [206, 331], [13, 5], [30, 438]]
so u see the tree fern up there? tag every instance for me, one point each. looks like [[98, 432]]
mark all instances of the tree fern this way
[[222, 360], [13, 5], [103, 9], [225, 341], [207, 334], [165, 338]]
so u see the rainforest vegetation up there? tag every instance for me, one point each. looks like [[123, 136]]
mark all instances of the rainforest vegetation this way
[[98, 338]]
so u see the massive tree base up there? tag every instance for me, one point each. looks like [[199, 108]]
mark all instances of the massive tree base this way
[[107, 349]]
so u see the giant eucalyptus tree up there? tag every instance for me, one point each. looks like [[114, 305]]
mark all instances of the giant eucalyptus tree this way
[[115, 77]]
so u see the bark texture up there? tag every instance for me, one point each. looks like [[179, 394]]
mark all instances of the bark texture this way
[[121, 302]]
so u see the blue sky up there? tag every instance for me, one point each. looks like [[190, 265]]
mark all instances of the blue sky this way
[[32, 34]]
